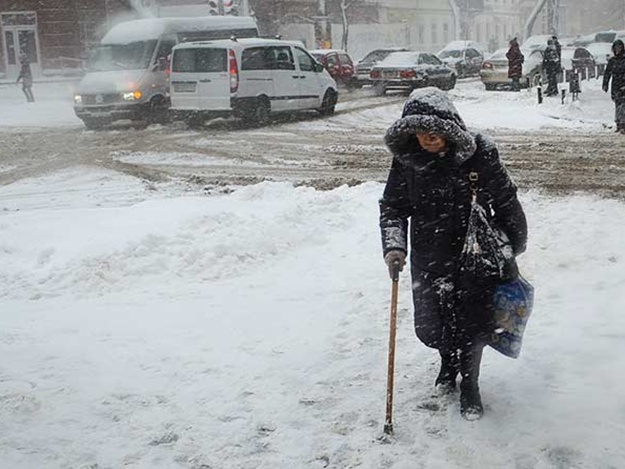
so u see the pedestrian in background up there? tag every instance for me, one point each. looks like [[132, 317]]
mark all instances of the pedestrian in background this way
[[26, 75], [515, 64], [615, 71], [426, 204], [551, 66]]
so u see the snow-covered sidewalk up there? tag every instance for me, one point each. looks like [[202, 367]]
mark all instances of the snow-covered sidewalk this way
[[249, 330]]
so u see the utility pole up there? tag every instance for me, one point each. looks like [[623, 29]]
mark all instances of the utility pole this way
[[553, 16], [323, 36]]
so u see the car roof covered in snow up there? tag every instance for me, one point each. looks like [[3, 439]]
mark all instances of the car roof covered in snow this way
[[460, 45], [153, 28]]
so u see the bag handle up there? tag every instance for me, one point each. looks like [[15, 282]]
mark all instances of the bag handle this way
[[473, 179]]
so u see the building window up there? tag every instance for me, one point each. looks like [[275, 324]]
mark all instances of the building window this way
[[446, 32], [434, 33]]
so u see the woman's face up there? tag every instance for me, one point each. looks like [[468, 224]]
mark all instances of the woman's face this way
[[431, 142], [618, 49]]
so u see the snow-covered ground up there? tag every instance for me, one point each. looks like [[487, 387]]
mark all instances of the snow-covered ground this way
[[143, 327], [52, 106]]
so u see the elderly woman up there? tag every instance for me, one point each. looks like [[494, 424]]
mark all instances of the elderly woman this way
[[426, 202]]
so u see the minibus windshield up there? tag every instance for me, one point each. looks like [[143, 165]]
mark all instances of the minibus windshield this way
[[131, 56]]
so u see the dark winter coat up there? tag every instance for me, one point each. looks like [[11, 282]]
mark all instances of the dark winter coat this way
[[615, 70], [515, 60], [26, 74], [551, 59], [434, 191], [427, 202]]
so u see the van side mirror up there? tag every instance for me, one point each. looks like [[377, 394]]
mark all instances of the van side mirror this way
[[160, 65], [318, 67]]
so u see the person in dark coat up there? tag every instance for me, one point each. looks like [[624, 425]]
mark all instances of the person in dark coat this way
[[558, 50], [426, 203], [26, 75], [515, 64], [615, 71], [551, 65]]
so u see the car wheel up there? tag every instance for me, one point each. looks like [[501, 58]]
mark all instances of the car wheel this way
[[490, 87], [328, 105]]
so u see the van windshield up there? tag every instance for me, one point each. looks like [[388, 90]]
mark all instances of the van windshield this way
[[132, 56]]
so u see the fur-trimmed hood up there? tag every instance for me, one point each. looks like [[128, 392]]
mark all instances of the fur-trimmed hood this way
[[429, 110]]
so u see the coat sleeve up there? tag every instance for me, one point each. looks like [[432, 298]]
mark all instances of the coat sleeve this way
[[395, 211], [507, 210]]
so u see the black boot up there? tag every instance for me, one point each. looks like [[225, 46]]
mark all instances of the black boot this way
[[446, 380], [471, 407]]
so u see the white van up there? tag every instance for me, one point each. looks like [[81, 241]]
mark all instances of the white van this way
[[127, 75], [247, 78]]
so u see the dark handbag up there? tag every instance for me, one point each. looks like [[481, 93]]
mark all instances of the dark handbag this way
[[487, 256]]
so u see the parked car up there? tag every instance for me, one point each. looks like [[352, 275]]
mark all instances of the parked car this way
[[247, 78], [465, 57], [494, 72], [338, 63], [601, 52], [364, 66], [409, 70], [578, 60]]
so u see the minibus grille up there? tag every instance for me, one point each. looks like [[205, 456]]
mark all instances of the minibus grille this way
[[100, 98]]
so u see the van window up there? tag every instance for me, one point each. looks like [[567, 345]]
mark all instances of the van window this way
[[283, 58], [306, 62], [200, 60], [257, 58]]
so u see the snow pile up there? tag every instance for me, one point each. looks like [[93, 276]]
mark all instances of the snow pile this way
[[249, 330]]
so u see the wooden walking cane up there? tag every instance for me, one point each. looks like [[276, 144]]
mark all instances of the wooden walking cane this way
[[388, 424]]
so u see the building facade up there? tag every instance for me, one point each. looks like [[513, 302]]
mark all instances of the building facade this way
[[58, 35]]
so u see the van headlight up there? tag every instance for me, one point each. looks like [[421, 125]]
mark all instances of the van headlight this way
[[77, 99], [132, 96]]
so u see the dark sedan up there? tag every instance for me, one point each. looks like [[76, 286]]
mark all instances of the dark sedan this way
[[409, 70]]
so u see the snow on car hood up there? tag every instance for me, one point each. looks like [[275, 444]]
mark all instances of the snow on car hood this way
[[115, 81]]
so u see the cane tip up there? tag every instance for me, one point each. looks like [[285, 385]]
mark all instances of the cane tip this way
[[387, 437]]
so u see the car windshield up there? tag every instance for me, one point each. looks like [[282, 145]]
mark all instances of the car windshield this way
[[454, 54], [605, 37], [132, 56], [376, 56], [400, 59]]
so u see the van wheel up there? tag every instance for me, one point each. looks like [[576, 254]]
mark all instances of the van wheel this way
[[328, 105], [261, 111], [490, 86]]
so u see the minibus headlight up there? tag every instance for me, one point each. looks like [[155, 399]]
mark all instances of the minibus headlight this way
[[133, 96], [77, 99]]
